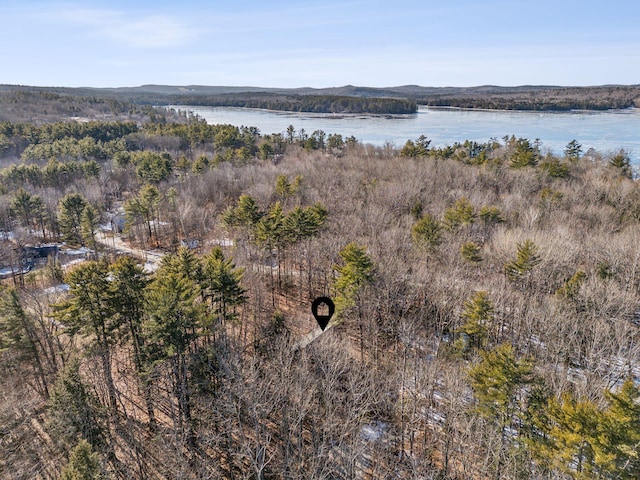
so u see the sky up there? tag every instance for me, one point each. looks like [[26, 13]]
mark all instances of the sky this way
[[283, 43]]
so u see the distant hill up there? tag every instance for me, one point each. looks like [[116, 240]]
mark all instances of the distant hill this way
[[342, 99], [525, 97]]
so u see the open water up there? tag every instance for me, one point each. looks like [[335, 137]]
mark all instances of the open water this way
[[607, 132]]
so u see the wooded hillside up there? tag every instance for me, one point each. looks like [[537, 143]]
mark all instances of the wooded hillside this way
[[486, 325], [346, 99]]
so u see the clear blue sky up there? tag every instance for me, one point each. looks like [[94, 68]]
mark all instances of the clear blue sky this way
[[115, 43]]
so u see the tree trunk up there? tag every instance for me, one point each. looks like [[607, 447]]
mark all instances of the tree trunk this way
[[106, 368]]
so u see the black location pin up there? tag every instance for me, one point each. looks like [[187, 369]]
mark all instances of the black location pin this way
[[324, 317]]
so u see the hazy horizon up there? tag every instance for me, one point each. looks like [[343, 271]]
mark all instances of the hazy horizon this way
[[323, 87]]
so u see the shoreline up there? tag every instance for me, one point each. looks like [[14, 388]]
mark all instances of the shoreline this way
[[516, 110]]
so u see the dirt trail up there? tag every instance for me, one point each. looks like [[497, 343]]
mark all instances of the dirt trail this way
[[114, 242], [311, 336]]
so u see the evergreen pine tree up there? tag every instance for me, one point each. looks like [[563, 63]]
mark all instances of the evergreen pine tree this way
[[573, 432], [73, 411], [70, 211], [478, 313], [127, 290], [269, 230], [284, 188], [355, 272], [184, 263], [617, 447], [88, 226], [304, 222], [571, 287], [90, 311], [84, 464], [143, 210], [490, 215], [622, 163], [247, 211], [525, 154], [496, 382], [174, 314], [18, 332], [271, 235], [427, 232], [526, 259], [29, 209], [221, 283], [461, 213], [573, 150], [470, 252], [499, 384]]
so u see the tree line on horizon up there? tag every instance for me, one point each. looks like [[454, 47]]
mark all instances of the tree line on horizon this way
[[26, 103], [303, 103]]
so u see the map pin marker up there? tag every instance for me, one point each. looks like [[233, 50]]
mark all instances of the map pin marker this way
[[323, 318]]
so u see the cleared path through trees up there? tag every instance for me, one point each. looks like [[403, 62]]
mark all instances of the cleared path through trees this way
[[113, 242]]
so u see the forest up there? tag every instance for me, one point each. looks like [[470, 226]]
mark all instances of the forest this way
[[158, 275], [70, 101], [138, 101], [539, 98], [302, 103]]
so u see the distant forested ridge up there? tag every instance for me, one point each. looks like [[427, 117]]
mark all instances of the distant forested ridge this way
[[541, 98], [118, 102], [47, 105], [304, 103]]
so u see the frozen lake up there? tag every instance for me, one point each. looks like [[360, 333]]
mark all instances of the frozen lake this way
[[607, 131]]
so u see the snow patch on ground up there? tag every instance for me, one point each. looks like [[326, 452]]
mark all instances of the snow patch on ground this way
[[7, 272], [373, 432], [62, 288], [150, 267], [222, 242], [76, 251], [73, 262]]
